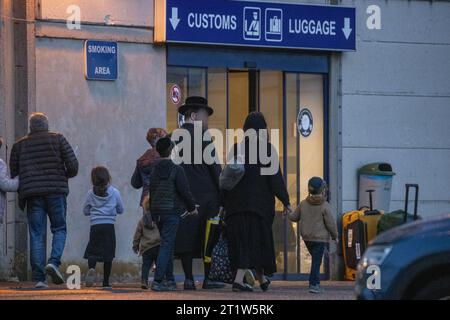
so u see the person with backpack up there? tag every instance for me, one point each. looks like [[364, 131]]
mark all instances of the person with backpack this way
[[169, 195]]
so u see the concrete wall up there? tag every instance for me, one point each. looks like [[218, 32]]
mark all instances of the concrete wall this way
[[105, 122], [6, 129], [396, 101], [137, 13], [393, 90]]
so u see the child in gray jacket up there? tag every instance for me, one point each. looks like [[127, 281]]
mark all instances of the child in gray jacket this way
[[103, 203], [6, 185]]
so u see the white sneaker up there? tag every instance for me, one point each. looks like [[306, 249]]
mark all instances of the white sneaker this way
[[90, 278], [249, 278], [41, 285]]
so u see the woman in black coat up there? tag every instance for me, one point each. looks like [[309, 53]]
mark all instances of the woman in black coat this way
[[250, 209]]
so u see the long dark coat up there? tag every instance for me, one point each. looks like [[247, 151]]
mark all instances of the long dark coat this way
[[250, 211], [204, 184]]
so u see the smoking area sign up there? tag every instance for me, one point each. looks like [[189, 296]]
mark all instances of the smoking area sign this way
[[100, 60], [262, 24]]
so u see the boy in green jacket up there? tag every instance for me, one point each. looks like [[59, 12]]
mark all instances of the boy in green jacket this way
[[317, 225]]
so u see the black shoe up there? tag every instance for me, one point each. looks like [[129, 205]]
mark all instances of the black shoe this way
[[158, 286], [265, 286], [171, 285], [189, 284], [237, 287], [106, 286], [209, 284]]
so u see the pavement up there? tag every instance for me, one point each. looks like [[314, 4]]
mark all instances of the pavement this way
[[279, 290]]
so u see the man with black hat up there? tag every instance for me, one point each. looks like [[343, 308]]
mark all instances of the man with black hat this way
[[204, 182]]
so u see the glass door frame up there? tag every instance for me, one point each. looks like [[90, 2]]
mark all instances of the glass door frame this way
[[286, 275], [262, 60]]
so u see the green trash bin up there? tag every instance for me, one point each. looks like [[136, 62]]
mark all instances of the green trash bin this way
[[377, 177]]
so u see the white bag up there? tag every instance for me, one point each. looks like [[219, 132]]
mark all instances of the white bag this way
[[231, 174]]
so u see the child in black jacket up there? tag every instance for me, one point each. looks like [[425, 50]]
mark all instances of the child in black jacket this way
[[169, 196]]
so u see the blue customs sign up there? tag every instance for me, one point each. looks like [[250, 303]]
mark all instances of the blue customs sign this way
[[261, 24]]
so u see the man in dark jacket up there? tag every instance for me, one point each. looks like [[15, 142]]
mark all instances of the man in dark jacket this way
[[44, 161], [169, 195], [204, 181]]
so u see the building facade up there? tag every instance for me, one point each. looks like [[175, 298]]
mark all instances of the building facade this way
[[388, 101]]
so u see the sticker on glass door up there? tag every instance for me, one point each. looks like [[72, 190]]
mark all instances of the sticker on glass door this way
[[305, 122], [175, 94]]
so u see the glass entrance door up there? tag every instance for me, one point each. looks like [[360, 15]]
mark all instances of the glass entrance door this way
[[281, 97], [305, 153]]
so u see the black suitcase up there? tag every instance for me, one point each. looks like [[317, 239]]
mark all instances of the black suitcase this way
[[355, 238]]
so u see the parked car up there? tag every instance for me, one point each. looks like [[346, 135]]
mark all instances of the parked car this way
[[413, 263]]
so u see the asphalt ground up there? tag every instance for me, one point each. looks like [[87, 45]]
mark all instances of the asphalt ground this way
[[279, 290]]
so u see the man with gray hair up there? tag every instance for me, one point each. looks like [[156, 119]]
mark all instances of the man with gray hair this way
[[44, 161]]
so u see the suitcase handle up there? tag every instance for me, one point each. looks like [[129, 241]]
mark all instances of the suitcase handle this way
[[370, 198], [416, 200]]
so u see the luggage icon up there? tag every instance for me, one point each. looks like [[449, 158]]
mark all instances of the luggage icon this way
[[274, 25]]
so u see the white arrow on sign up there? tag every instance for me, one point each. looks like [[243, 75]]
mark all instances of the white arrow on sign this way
[[174, 19], [346, 29]]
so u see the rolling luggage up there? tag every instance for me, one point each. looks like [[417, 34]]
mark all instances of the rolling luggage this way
[[354, 239], [358, 228], [399, 217]]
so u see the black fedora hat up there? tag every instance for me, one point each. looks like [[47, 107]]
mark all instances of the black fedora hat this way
[[195, 102]]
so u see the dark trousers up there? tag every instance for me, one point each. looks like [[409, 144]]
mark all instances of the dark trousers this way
[[316, 250], [148, 258], [168, 226], [187, 259]]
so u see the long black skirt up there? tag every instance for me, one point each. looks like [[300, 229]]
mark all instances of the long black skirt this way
[[250, 242], [102, 243]]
